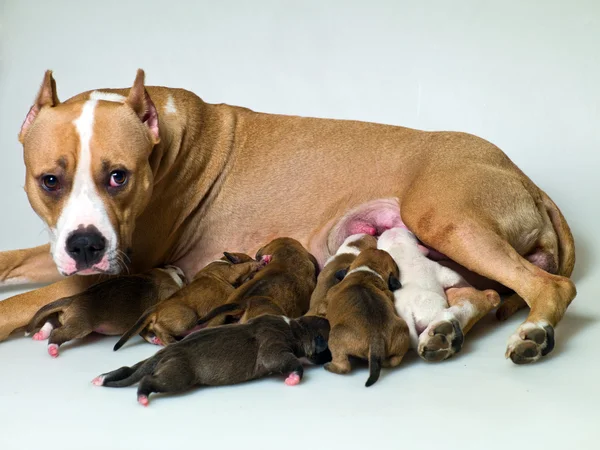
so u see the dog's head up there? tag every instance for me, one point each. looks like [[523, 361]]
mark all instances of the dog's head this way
[[88, 175], [314, 335]]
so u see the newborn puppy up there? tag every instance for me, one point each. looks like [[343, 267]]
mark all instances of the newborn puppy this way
[[334, 269], [422, 301], [362, 316], [109, 307], [175, 317], [228, 355], [283, 287]]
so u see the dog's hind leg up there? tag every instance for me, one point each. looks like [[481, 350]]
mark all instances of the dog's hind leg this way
[[17, 311], [28, 266], [172, 375], [117, 375], [283, 361], [66, 333], [340, 337]]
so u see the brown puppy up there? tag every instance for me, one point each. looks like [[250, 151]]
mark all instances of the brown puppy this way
[[331, 275], [283, 287], [362, 316], [228, 355], [175, 317], [109, 307]]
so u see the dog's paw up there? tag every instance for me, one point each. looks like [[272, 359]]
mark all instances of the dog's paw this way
[[98, 381], [293, 379], [53, 350], [530, 342], [440, 340], [337, 368]]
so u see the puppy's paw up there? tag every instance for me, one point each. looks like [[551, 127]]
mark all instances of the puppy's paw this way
[[143, 400], [440, 340], [53, 350], [43, 333], [156, 340], [530, 342], [293, 379], [337, 368], [98, 381]]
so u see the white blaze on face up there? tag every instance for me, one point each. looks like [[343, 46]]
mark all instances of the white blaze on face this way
[[84, 206]]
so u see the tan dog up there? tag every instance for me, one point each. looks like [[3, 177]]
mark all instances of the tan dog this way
[[283, 287], [109, 307], [331, 275], [362, 316], [175, 317], [103, 167]]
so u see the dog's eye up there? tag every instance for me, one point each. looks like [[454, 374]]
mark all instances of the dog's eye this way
[[118, 178], [50, 183]]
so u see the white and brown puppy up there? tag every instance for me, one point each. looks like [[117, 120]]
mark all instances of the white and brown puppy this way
[[335, 268], [361, 313], [435, 331], [110, 307]]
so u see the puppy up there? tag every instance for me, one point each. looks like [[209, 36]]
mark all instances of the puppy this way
[[362, 316], [334, 268], [422, 301], [228, 355], [283, 287], [109, 307], [175, 317]]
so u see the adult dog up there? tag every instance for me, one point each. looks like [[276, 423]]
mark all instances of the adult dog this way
[[157, 176]]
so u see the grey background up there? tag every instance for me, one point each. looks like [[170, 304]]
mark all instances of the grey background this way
[[522, 74]]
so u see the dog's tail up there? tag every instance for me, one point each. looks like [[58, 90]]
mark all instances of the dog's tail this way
[[230, 309], [376, 350], [45, 311], [126, 376], [566, 243], [143, 322]]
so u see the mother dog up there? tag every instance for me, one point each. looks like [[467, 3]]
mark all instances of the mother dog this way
[[157, 176]]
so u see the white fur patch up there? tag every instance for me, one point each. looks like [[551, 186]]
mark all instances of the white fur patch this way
[[170, 105], [84, 206], [14, 281], [364, 269], [347, 247], [107, 97], [287, 319], [177, 274]]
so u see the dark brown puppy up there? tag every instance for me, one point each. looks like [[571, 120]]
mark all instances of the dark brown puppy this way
[[109, 307], [363, 320], [334, 269], [228, 355], [284, 285], [175, 317]]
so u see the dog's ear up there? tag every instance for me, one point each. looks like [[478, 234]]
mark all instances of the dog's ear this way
[[142, 104], [341, 274], [46, 97], [320, 344], [232, 258], [315, 263], [394, 283]]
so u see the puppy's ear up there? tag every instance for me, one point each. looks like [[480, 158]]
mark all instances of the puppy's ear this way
[[259, 254], [315, 263], [341, 274], [320, 344], [232, 258], [394, 283]]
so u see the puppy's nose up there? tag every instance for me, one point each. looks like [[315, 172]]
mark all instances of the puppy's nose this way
[[86, 248]]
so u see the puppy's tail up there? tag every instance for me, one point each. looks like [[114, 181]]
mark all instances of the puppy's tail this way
[[376, 350], [126, 376], [45, 311], [229, 309], [142, 323]]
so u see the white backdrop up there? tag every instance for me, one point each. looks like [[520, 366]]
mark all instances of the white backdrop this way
[[522, 74]]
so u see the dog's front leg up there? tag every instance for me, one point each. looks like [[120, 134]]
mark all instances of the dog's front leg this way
[[25, 266], [17, 311]]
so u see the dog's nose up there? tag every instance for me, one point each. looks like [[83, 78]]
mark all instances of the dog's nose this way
[[86, 248]]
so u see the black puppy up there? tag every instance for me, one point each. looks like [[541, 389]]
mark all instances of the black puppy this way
[[228, 354]]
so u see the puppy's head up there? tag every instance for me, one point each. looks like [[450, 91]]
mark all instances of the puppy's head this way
[[88, 173], [356, 243], [313, 333], [379, 262], [286, 250]]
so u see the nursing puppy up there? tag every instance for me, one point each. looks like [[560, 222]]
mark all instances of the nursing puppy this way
[[109, 307], [362, 316], [228, 355], [334, 269], [422, 301], [283, 287], [174, 318]]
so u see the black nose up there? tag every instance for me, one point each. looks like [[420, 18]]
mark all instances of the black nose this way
[[86, 248]]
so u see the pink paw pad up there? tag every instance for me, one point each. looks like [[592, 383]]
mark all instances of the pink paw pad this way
[[53, 350], [266, 259], [143, 400], [39, 336], [156, 341], [98, 381], [293, 379]]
